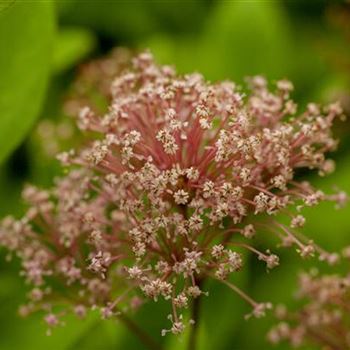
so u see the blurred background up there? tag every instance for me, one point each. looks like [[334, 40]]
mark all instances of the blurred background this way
[[44, 45]]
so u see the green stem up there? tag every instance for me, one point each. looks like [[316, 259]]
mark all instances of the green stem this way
[[195, 313]]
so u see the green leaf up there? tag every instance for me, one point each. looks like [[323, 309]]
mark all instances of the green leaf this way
[[102, 334], [225, 306], [122, 20], [71, 45], [30, 333], [247, 38], [151, 318], [239, 39], [26, 33], [4, 4]]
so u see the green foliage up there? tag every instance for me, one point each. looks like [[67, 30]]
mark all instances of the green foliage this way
[[112, 18], [244, 39], [4, 4], [26, 35], [71, 46], [133, 21], [228, 310]]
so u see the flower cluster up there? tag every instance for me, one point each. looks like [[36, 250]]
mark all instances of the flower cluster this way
[[163, 196], [323, 319]]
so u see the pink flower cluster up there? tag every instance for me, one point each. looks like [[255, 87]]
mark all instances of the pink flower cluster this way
[[163, 197], [324, 317]]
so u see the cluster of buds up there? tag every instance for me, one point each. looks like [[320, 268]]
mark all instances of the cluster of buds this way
[[162, 197], [323, 319]]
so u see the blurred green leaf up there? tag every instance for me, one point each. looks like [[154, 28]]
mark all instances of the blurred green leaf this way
[[30, 333], [228, 309], [123, 20], [33, 334], [71, 45], [4, 4], [26, 33], [246, 38], [102, 335], [239, 39], [151, 318]]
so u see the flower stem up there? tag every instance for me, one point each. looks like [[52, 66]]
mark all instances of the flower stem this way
[[195, 312]]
